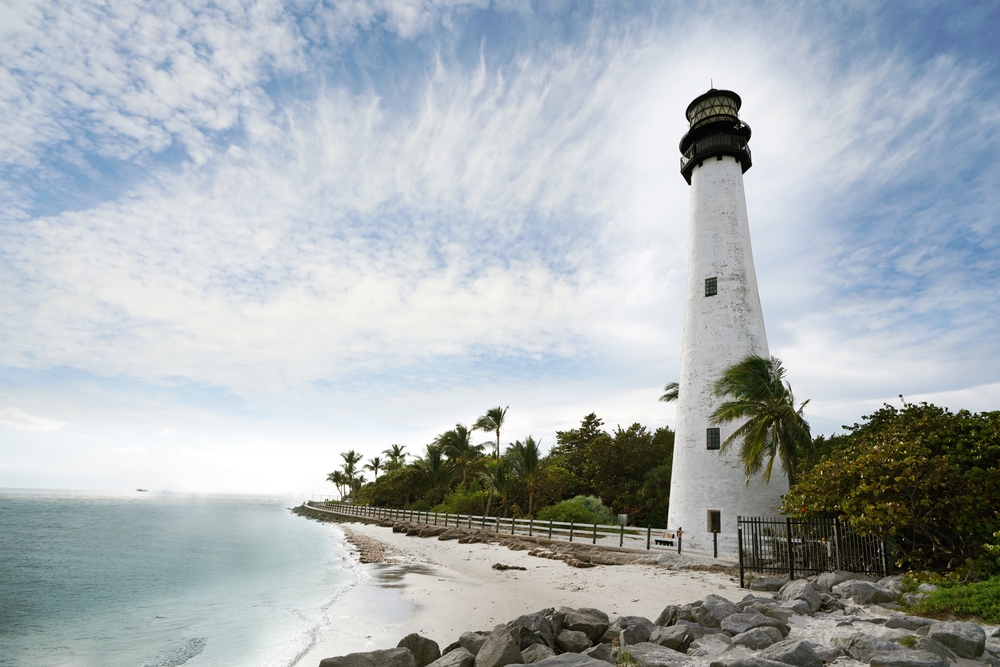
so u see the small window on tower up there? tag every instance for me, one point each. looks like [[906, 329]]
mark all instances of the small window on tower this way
[[713, 438], [714, 521], [711, 286]]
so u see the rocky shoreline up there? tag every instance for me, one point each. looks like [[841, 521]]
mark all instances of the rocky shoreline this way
[[833, 619]]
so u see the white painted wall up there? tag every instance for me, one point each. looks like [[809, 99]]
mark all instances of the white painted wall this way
[[719, 331]]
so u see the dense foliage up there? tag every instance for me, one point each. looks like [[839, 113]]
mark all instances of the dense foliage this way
[[582, 509], [922, 477], [978, 600]]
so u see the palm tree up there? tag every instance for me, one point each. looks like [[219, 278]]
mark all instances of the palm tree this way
[[773, 428], [351, 461], [670, 392], [435, 472], [497, 473], [526, 461], [339, 479], [492, 421], [397, 456], [457, 446], [375, 464]]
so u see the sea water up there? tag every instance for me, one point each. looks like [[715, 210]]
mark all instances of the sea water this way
[[162, 580]]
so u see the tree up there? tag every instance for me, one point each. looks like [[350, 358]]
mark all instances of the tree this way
[[435, 473], [375, 464], [497, 475], [670, 392], [351, 461], [339, 480], [772, 426], [397, 456], [457, 446], [526, 463], [492, 421]]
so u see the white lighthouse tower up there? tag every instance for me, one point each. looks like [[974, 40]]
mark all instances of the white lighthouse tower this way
[[723, 323]]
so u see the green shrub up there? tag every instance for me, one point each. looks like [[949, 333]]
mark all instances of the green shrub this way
[[469, 499], [582, 509], [977, 600], [908, 641]]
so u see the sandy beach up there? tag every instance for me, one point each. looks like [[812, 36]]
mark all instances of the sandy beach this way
[[442, 588]]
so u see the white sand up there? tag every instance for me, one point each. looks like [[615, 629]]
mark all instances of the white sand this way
[[441, 589]]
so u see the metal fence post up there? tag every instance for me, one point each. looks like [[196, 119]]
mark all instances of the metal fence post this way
[[621, 536], [550, 529], [649, 532], [715, 544], [679, 536], [788, 538], [571, 530], [739, 545], [836, 539], [595, 533], [531, 525]]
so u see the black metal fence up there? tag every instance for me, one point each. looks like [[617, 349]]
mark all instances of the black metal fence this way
[[796, 547]]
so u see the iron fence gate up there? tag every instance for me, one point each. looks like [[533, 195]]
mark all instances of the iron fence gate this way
[[806, 546]]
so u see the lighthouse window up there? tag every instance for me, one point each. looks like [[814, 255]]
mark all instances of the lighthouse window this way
[[713, 438], [711, 286], [714, 521]]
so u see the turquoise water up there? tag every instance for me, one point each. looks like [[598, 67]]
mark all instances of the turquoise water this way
[[162, 580]]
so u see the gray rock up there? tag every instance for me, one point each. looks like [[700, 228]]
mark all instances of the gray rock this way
[[632, 629], [996, 633], [913, 598], [828, 653], [993, 646], [893, 582], [748, 620], [864, 592], [767, 583], [710, 646], [532, 629], [571, 660], [535, 653], [393, 657], [755, 639], [591, 622], [967, 640], [458, 657], [906, 658], [713, 610], [472, 641], [861, 646], [573, 641], [424, 650], [648, 654], [926, 588], [674, 637], [907, 622], [828, 580], [599, 652], [800, 589], [773, 610], [937, 648], [499, 649], [793, 652], [668, 616], [747, 661], [798, 607]]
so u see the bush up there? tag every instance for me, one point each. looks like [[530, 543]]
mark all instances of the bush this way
[[979, 600], [582, 509], [393, 489], [469, 499]]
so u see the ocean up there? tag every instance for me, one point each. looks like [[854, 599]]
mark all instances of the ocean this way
[[161, 580]]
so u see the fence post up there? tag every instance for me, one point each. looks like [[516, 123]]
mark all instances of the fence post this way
[[788, 539], [680, 535], [739, 545], [836, 538], [531, 525], [550, 529], [715, 544], [621, 536], [649, 532], [570, 530], [513, 522], [498, 525], [595, 534]]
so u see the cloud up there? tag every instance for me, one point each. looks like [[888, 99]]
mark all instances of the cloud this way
[[131, 450], [20, 420], [165, 432]]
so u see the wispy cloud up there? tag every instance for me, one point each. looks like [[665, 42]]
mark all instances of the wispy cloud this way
[[20, 420], [131, 450]]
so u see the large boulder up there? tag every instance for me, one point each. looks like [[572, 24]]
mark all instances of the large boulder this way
[[591, 622], [904, 622], [600, 652], [828, 580], [800, 589], [864, 592], [767, 584], [499, 649], [937, 648], [782, 614], [668, 616], [710, 646], [906, 658], [532, 629], [451, 534], [571, 660], [861, 646], [756, 639], [393, 657], [967, 640], [631, 629], [647, 654], [828, 653], [535, 653], [713, 610], [424, 650], [748, 620], [472, 641], [458, 657], [675, 637], [746, 661], [793, 652], [573, 641]]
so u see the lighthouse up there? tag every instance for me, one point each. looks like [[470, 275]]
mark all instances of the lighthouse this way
[[723, 323]]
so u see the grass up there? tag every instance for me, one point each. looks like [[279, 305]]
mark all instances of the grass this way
[[979, 600], [909, 641]]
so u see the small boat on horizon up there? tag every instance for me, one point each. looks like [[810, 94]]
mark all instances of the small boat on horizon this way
[[142, 489]]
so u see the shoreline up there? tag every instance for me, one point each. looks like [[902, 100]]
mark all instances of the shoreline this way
[[440, 589]]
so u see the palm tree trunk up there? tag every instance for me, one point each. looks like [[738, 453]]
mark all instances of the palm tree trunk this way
[[489, 501]]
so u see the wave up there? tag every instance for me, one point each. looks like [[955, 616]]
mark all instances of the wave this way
[[178, 656]]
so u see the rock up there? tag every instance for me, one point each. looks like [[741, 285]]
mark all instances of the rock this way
[[748, 620], [993, 646], [793, 652], [413, 531], [782, 614], [967, 640], [996, 633], [431, 531], [393, 657], [907, 622], [747, 661], [684, 612], [913, 598], [926, 588], [647, 654], [591, 622], [472, 641], [710, 646], [498, 650], [906, 658], [893, 582], [755, 639], [828, 580], [861, 646], [798, 607], [828, 653], [864, 592], [800, 589], [536, 652], [458, 657], [532, 629], [631, 629], [668, 616], [451, 534], [571, 660], [674, 637], [767, 583], [599, 652], [713, 610], [937, 648], [424, 650], [573, 641]]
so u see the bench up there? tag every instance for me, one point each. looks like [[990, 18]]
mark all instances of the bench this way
[[666, 541]]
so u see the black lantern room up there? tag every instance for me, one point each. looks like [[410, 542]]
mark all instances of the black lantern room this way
[[716, 130]]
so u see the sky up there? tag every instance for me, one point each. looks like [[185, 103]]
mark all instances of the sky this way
[[239, 238]]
